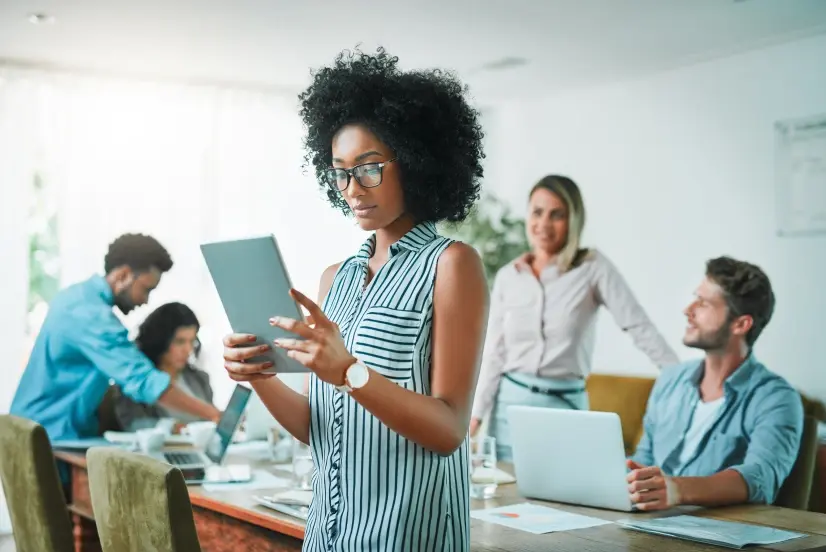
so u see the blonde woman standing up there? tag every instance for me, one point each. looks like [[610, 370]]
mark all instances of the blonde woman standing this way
[[543, 311]]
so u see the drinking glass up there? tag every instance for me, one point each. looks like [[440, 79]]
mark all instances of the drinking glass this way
[[302, 465], [483, 468]]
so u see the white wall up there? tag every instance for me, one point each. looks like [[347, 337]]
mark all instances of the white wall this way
[[675, 169]]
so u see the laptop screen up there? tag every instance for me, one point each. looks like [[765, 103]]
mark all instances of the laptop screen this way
[[217, 447]]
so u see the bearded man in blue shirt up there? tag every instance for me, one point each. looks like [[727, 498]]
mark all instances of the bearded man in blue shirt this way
[[722, 429], [82, 345]]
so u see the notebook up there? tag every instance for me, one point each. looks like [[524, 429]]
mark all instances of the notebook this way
[[711, 531]]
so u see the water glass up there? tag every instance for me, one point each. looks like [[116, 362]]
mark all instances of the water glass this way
[[302, 465], [483, 468]]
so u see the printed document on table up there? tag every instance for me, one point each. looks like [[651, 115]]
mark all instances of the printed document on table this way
[[536, 519]]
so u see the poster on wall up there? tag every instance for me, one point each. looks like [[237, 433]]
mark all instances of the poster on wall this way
[[800, 178]]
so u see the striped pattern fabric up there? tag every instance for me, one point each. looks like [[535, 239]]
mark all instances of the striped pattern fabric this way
[[372, 488]]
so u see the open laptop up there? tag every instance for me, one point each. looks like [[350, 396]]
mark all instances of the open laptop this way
[[206, 467], [570, 456]]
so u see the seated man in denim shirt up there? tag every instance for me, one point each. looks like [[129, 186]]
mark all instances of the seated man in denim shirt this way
[[82, 345], [724, 429]]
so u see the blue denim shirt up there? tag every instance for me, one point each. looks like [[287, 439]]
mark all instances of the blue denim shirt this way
[[80, 347], [757, 432]]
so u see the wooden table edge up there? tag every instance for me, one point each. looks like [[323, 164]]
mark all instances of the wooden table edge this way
[[261, 519], [197, 498]]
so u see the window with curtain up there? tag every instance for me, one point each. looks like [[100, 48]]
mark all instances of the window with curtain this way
[[44, 252], [186, 164]]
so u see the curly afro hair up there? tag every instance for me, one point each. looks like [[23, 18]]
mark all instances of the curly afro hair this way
[[422, 115]]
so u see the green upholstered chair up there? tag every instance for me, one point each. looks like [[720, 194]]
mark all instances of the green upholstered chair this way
[[37, 505], [140, 504], [796, 491]]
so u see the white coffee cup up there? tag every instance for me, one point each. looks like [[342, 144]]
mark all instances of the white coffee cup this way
[[150, 440], [200, 432], [166, 425]]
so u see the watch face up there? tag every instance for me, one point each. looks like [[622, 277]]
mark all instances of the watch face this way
[[357, 375]]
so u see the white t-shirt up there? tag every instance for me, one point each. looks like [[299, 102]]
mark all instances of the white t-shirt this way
[[705, 413]]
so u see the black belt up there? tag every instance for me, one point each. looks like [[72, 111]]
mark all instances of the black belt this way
[[559, 394]]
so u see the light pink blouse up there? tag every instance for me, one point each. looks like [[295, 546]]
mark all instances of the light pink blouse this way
[[545, 327]]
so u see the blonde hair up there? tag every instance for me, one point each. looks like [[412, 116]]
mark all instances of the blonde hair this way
[[571, 255]]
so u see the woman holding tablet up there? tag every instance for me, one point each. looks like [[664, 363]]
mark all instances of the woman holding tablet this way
[[395, 349]]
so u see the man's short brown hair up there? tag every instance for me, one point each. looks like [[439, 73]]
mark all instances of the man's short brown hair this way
[[747, 290]]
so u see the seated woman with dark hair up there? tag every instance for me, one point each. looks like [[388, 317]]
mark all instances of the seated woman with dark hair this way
[[169, 337]]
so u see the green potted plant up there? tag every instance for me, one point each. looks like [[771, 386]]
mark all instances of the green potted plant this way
[[491, 228]]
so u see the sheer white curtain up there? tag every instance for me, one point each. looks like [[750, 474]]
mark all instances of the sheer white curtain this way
[[18, 129], [184, 164]]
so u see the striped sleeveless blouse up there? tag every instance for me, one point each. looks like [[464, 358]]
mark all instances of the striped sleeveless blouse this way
[[372, 488]]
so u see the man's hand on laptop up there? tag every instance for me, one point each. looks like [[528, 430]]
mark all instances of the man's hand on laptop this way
[[650, 488]]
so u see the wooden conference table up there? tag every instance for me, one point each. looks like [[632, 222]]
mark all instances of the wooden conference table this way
[[230, 521]]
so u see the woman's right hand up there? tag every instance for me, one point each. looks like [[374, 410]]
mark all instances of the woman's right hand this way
[[238, 349]]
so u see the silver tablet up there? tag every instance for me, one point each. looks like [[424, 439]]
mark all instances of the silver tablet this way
[[253, 284]]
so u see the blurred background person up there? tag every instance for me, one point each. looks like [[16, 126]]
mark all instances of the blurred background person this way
[[543, 310], [169, 338], [82, 345]]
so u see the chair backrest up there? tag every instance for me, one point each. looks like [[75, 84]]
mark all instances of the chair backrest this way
[[37, 506], [796, 491], [625, 395], [140, 504]]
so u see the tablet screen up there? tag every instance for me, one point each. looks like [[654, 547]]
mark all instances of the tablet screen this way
[[253, 285]]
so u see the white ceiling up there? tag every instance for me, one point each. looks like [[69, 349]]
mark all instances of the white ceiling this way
[[273, 43]]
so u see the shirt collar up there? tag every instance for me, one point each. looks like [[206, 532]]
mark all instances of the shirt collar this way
[[742, 375], [102, 288], [414, 240], [736, 380]]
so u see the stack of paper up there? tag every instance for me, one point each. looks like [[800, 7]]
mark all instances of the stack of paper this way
[[294, 503], [536, 519], [711, 531]]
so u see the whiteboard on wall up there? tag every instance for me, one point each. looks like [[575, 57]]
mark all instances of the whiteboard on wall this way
[[800, 177]]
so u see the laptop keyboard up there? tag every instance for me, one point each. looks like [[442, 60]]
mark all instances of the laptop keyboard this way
[[181, 458]]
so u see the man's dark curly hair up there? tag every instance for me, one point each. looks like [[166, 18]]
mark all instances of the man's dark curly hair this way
[[138, 252], [422, 115], [156, 333], [747, 289]]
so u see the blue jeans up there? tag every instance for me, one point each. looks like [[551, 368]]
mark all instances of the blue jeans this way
[[511, 393]]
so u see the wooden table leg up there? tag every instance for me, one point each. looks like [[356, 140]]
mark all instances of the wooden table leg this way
[[85, 534], [84, 530]]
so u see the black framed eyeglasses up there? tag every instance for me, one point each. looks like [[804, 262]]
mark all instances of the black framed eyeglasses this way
[[368, 175]]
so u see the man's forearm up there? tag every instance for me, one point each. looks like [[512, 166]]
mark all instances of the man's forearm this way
[[721, 489], [175, 399]]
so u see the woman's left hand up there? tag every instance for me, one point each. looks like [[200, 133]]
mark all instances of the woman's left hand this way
[[322, 349]]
